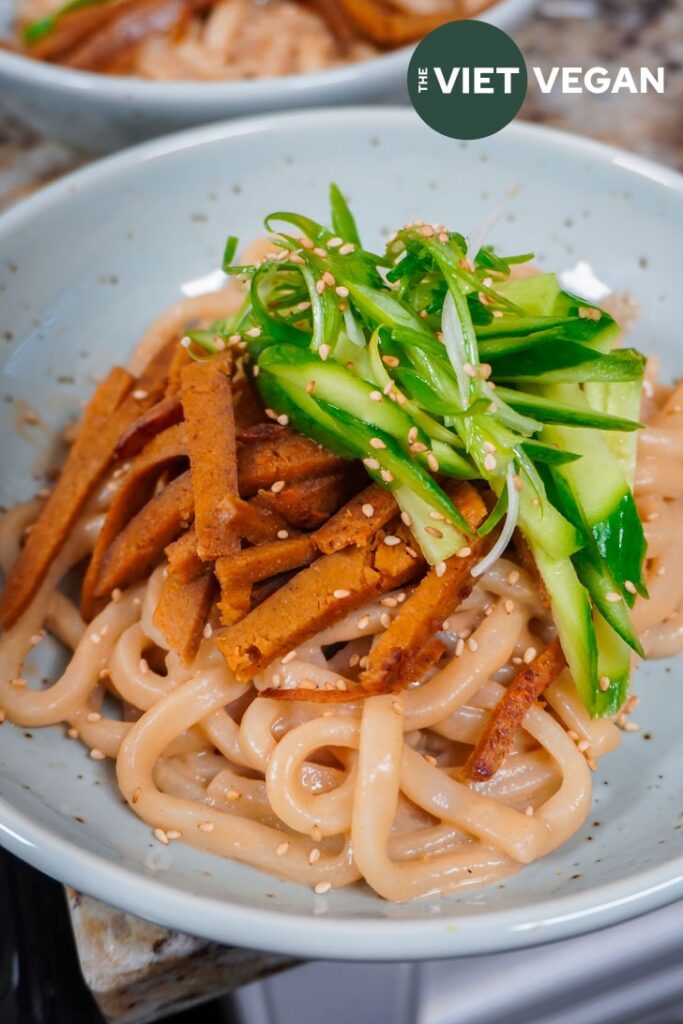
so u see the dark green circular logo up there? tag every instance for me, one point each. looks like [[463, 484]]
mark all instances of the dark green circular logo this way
[[467, 79]]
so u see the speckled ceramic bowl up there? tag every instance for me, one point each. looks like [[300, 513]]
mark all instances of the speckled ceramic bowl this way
[[85, 264], [103, 113]]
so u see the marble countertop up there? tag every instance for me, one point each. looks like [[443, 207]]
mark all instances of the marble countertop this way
[[138, 971]]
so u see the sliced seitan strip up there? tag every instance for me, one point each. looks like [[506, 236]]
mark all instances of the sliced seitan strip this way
[[181, 359], [358, 521], [432, 601], [308, 504], [237, 573], [183, 560], [85, 466], [140, 544], [315, 598], [248, 406], [282, 455], [164, 414], [182, 613], [167, 450], [257, 523], [210, 430], [508, 715]]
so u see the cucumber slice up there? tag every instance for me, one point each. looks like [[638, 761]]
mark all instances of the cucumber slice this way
[[550, 530], [614, 663], [571, 608], [619, 400], [536, 294], [599, 583]]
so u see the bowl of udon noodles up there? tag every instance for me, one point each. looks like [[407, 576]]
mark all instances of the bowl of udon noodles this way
[[101, 74], [342, 534]]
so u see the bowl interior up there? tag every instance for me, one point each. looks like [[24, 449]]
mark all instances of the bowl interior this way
[[86, 265]]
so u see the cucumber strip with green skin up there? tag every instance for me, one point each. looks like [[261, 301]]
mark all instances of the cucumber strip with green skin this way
[[536, 294], [571, 608], [547, 453], [305, 415], [384, 309], [614, 663], [545, 410], [558, 537], [435, 549], [620, 400], [601, 493], [578, 330], [599, 584], [450, 462], [569, 363]]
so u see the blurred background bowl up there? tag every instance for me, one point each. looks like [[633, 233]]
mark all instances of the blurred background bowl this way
[[103, 113]]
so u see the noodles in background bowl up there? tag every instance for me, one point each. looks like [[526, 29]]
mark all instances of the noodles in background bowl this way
[[328, 793]]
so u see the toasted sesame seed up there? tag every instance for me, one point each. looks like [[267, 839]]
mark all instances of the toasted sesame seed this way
[[310, 387], [254, 332], [306, 242], [389, 602], [320, 287], [368, 510], [412, 435], [283, 419], [353, 660], [376, 396], [433, 532], [397, 707], [604, 683], [440, 568], [371, 463], [324, 352], [459, 647], [206, 826], [385, 619], [97, 755], [377, 442], [430, 760], [631, 727], [407, 519], [630, 586], [322, 253], [529, 655], [470, 370], [363, 623], [307, 684], [161, 836], [235, 339], [464, 552], [73, 734], [93, 716], [185, 342], [490, 463], [418, 447], [95, 637], [433, 514], [314, 855], [446, 625], [347, 248], [19, 683], [207, 632], [433, 462], [290, 656], [174, 833], [232, 795], [472, 644], [411, 552], [391, 540], [335, 242], [37, 638], [139, 394], [612, 597], [513, 577], [391, 361], [339, 595], [316, 834], [329, 280], [386, 475], [281, 850], [278, 486], [282, 534], [322, 887], [582, 746], [509, 606]]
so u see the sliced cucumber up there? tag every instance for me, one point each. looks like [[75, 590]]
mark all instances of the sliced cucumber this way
[[536, 294], [600, 584], [622, 400], [614, 663]]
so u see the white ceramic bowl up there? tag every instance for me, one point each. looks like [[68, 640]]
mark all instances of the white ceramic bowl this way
[[103, 113], [85, 264]]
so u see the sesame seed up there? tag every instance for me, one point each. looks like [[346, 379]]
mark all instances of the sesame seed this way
[[353, 660], [322, 253], [310, 387], [73, 734], [335, 242], [385, 619], [254, 332], [320, 287], [94, 716], [472, 644], [347, 248], [529, 655], [652, 517], [139, 394], [377, 442], [582, 746], [430, 760], [185, 342], [371, 463], [433, 532], [283, 419], [278, 486], [509, 606], [324, 352], [446, 625], [97, 755], [95, 637], [307, 684], [339, 595], [329, 280], [459, 647], [256, 371], [322, 887], [391, 361], [513, 577], [389, 602], [173, 833], [630, 586], [290, 656], [387, 476], [341, 685], [418, 446], [363, 623], [440, 568], [411, 552], [433, 462], [437, 515], [206, 826], [368, 510], [316, 834], [281, 850], [234, 339], [306, 242], [232, 795], [631, 727], [19, 683], [407, 519], [161, 836], [397, 707], [604, 683], [463, 552], [612, 597], [489, 447], [469, 370], [490, 463], [207, 632], [376, 396], [314, 855], [391, 540], [412, 435], [37, 638]]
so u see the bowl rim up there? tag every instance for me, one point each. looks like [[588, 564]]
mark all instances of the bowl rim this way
[[296, 933], [131, 88]]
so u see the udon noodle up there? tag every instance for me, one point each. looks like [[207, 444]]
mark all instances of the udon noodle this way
[[325, 795]]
